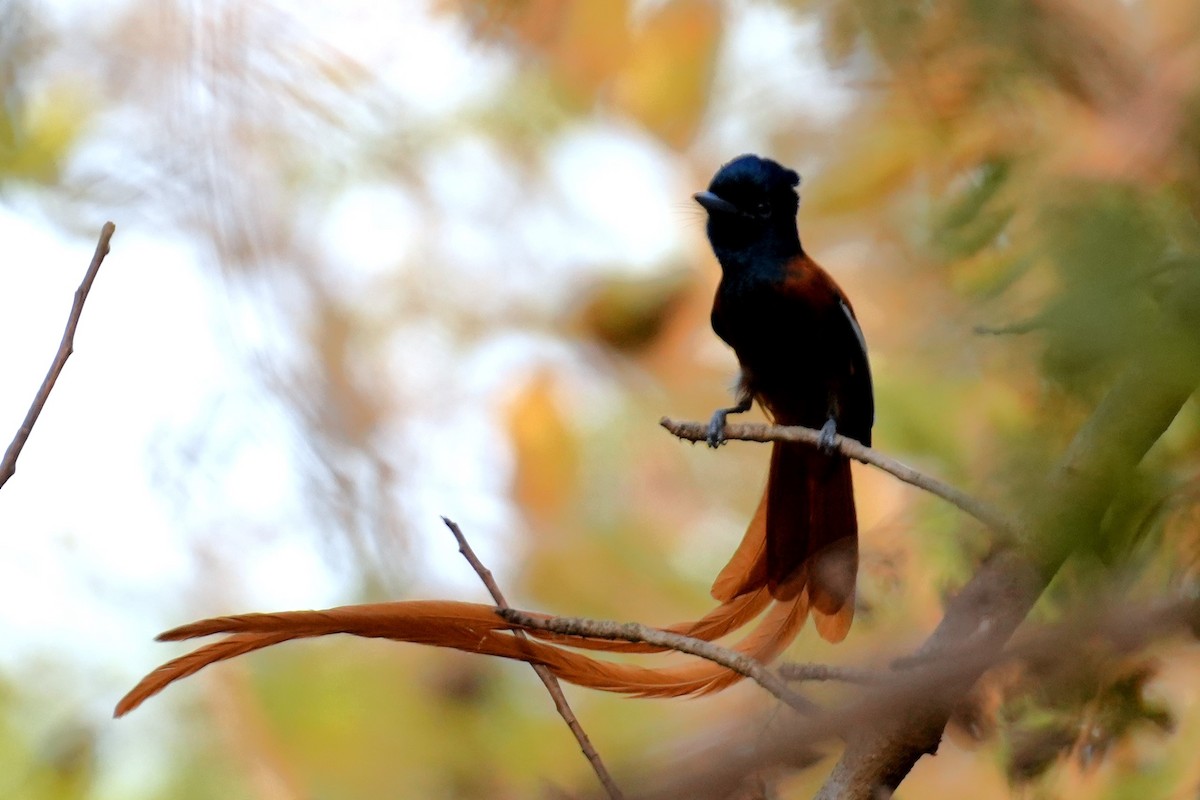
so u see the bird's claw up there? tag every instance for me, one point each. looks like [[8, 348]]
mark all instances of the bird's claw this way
[[716, 429], [827, 441]]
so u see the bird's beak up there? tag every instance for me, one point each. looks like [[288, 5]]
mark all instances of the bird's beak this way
[[713, 204]]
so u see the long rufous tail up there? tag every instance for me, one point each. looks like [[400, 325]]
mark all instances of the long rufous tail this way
[[742, 588], [471, 627]]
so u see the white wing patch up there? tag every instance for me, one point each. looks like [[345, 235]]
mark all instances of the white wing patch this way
[[858, 334]]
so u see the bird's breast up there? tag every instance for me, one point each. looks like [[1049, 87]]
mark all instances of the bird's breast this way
[[786, 337]]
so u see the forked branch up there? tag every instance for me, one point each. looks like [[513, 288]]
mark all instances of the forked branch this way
[[543, 672], [636, 632]]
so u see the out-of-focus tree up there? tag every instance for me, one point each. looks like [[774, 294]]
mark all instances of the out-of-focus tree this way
[[1030, 166]]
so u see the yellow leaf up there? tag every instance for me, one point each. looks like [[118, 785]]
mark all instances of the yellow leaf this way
[[545, 448], [43, 134], [590, 45]]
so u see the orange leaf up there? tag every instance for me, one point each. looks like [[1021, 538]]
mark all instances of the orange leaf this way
[[666, 80]]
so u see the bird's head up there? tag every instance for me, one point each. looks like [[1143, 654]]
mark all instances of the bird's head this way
[[751, 203]]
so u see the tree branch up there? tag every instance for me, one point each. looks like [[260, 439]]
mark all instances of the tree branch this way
[[636, 632], [980, 619], [8, 467], [543, 672], [935, 682], [793, 671], [758, 432]]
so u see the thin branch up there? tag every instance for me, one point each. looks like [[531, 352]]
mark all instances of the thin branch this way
[[758, 432], [543, 672], [636, 632], [8, 466], [485, 574], [793, 671]]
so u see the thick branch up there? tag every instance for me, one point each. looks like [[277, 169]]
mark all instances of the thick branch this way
[[757, 432], [543, 672], [984, 614], [8, 466], [934, 682]]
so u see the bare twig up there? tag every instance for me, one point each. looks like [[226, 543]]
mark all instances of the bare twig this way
[[758, 432], [8, 466], [636, 632], [543, 672], [485, 574]]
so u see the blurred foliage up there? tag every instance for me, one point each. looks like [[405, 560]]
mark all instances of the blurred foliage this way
[[40, 123], [1028, 167], [1082, 709], [656, 68], [38, 133]]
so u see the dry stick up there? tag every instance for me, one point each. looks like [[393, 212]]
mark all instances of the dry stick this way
[[543, 672], [636, 632], [8, 466], [758, 432]]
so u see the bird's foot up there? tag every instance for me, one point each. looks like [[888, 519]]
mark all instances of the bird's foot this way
[[716, 428], [716, 425], [827, 441]]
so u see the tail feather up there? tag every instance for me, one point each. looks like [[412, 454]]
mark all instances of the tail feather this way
[[468, 627], [179, 668], [812, 534], [419, 621], [834, 627], [427, 621], [747, 568]]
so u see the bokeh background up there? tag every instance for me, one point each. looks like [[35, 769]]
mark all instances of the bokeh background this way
[[380, 262]]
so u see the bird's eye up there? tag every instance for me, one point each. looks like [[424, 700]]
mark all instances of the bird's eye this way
[[763, 209]]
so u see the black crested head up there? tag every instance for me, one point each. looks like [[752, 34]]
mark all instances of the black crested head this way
[[751, 204]]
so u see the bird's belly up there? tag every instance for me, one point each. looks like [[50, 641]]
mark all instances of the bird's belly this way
[[799, 385], [793, 356]]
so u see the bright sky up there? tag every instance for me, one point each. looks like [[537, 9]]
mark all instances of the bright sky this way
[[93, 562]]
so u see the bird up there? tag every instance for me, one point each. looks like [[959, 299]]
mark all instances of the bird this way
[[804, 361]]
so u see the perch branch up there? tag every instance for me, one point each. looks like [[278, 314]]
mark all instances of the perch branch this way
[[636, 632], [758, 432], [8, 466], [543, 672]]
